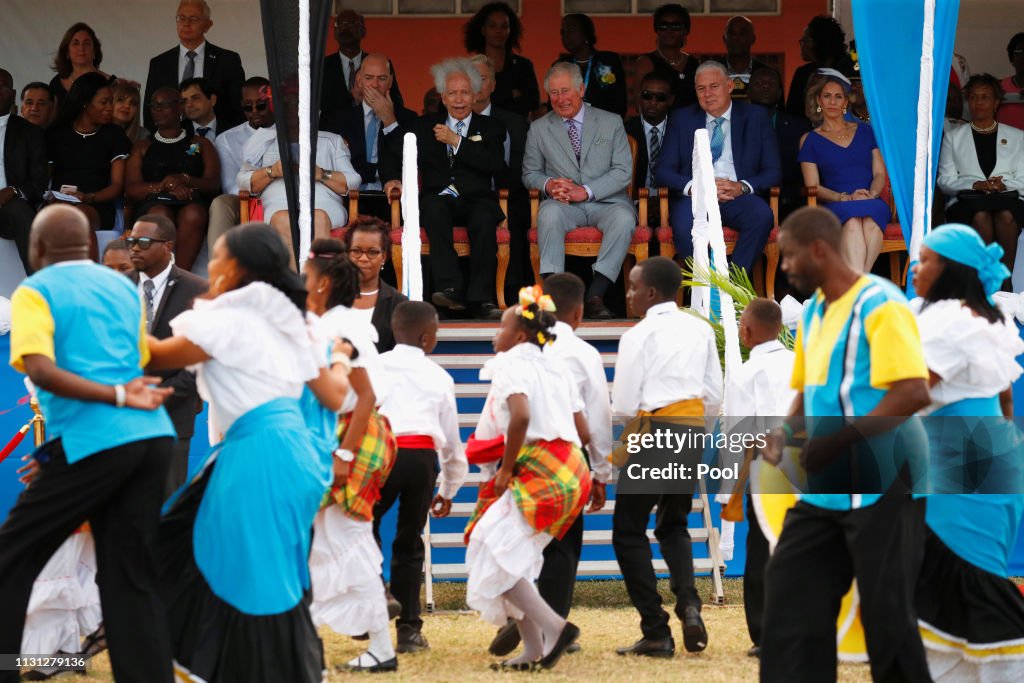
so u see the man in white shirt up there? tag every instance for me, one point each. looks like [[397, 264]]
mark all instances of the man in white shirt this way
[[760, 388], [225, 210], [667, 365], [167, 291], [419, 400], [194, 57], [198, 100]]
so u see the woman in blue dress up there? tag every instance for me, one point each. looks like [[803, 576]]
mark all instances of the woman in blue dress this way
[[842, 160], [971, 614], [234, 542]]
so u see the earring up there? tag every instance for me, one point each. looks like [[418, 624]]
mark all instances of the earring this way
[[818, 110], [844, 111], [218, 282], [319, 290]]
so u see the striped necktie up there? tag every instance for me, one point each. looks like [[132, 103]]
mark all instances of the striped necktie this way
[[653, 150], [717, 138]]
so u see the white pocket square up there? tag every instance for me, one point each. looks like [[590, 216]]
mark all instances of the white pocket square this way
[[476, 138]]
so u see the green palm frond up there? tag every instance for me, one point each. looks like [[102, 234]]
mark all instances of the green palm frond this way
[[736, 284]]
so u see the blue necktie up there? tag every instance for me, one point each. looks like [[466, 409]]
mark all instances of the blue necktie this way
[[371, 138], [717, 138], [202, 131], [450, 190]]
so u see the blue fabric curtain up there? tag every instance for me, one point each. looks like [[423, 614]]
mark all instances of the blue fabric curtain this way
[[889, 46]]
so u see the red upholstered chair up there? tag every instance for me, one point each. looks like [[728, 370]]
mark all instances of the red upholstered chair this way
[[250, 209], [585, 240], [893, 243], [460, 236], [763, 280]]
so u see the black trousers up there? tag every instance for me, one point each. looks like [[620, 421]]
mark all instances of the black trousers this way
[[480, 216], [118, 492], [633, 552], [411, 484], [15, 224], [753, 575], [819, 553], [177, 470], [557, 578]]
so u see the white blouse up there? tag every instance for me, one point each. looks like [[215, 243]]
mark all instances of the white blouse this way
[[974, 358], [342, 322], [547, 384], [260, 349]]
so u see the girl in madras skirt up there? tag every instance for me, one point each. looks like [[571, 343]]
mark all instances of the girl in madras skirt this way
[[345, 562], [540, 487]]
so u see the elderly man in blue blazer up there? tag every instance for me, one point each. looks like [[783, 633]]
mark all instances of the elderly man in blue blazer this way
[[746, 164], [579, 159]]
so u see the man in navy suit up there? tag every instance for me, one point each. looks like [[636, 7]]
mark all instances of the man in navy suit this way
[[765, 89], [196, 57], [746, 164]]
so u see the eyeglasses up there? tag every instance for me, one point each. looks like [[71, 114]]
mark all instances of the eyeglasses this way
[[259, 106], [144, 243], [357, 253], [671, 26], [183, 19], [656, 96], [160, 106]]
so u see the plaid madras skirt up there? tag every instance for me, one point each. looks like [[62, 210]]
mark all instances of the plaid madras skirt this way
[[374, 461], [550, 484]]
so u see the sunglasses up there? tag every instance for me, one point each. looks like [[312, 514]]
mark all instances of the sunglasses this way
[[259, 106], [656, 96], [671, 26], [144, 243], [357, 253]]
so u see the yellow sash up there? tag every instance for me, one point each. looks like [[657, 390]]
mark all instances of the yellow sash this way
[[689, 407]]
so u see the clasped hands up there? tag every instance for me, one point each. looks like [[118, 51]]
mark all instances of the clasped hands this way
[[728, 189], [565, 190], [992, 185], [177, 185]]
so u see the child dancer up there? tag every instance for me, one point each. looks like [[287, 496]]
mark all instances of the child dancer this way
[[540, 488], [345, 561], [970, 613], [420, 403]]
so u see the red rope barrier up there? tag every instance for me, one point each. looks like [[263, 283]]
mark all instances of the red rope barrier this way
[[13, 443]]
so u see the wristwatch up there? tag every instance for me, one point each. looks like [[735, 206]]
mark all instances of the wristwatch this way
[[746, 189], [326, 175]]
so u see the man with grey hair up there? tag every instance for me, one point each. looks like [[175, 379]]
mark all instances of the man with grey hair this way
[[194, 57], [745, 155], [578, 157], [460, 154]]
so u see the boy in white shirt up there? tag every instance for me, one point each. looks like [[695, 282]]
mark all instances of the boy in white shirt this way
[[759, 389], [419, 401]]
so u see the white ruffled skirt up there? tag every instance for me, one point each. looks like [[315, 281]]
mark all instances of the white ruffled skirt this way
[[65, 602], [344, 567], [503, 549]]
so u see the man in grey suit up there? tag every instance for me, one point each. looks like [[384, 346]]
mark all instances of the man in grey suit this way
[[578, 158]]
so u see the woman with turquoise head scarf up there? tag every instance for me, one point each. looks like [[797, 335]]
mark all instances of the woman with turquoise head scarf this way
[[971, 614]]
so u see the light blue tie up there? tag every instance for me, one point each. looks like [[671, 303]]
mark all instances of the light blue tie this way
[[371, 138], [450, 190], [717, 138]]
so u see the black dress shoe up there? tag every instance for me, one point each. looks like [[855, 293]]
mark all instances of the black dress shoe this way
[[573, 649], [410, 640], [595, 309], [755, 651], [695, 635], [375, 668], [505, 640], [448, 298], [488, 311], [665, 647], [570, 633]]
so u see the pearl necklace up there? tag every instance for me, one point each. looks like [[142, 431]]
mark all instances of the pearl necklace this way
[[85, 135], [369, 293], [178, 138], [995, 124]]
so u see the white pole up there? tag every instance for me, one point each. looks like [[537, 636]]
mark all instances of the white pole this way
[[923, 162], [305, 135], [412, 270]]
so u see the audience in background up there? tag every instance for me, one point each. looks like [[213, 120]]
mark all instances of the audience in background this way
[[198, 101], [822, 45], [738, 38], [671, 26], [431, 101], [174, 175], [1011, 110], [338, 73], [981, 170], [842, 160], [495, 31], [79, 53], [127, 111], [117, 257], [648, 129], [23, 172], [87, 151], [604, 79], [37, 104], [765, 89], [195, 57], [225, 210]]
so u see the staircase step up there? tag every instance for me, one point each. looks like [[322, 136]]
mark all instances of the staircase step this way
[[479, 389], [476, 332], [452, 361], [701, 565], [466, 509], [597, 537]]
